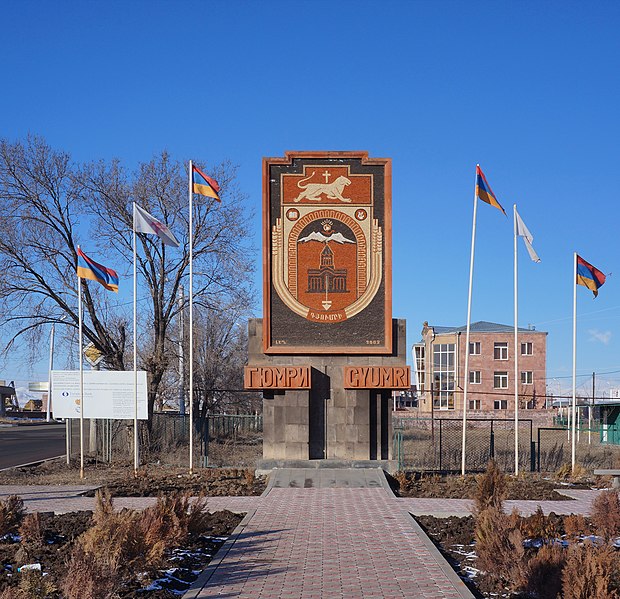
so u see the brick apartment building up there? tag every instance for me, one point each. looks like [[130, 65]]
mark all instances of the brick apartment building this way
[[440, 364]]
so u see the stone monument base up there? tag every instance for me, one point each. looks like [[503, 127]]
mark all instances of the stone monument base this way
[[327, 423]]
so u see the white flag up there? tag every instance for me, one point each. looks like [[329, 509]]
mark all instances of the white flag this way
[[143, 222], [528, 238]]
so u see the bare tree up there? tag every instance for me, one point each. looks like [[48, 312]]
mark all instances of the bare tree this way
[[40, 206], [52, 203], [221, 354]]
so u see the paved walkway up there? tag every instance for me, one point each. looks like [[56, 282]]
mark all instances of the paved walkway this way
[[320, 534]]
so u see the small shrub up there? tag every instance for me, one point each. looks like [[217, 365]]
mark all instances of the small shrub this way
[[539, 526], [33, 585], [12, 513], [499, 546], [490, 489], [249, 476], [606, 514], [575, 526], [589, 572], [543, 573], [87, 577], [401, 478], [566, 471], [31, 530], [198, 516]]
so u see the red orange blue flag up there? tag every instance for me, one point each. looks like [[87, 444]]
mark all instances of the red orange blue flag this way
[[89, 269], [204, 185], [589, 276], [484, 191]]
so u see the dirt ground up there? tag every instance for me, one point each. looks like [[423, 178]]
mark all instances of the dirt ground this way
[[182, 567], [149, 482], [454, 537], [525, 486]]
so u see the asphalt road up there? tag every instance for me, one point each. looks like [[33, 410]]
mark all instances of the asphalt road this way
[[25, 444]]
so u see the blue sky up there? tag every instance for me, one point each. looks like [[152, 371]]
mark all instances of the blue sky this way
[[529, 90]]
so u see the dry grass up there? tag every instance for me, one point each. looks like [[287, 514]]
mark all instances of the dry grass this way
[[12, 513]]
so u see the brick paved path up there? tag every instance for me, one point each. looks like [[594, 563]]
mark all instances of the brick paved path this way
[[330, 543]]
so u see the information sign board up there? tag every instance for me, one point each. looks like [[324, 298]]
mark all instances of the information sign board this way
[[107, 394]]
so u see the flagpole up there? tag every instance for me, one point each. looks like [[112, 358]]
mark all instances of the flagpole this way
[[136, 457], [466, 373], [191, 321], [574, 360], [516, 343], [80, 341]]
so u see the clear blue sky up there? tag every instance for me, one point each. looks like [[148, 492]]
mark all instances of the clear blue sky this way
[[530, 90]]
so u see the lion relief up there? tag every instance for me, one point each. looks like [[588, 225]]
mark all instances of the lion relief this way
[[313, 191]]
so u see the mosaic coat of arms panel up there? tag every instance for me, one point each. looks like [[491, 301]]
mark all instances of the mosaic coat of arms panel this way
[[327, 253]]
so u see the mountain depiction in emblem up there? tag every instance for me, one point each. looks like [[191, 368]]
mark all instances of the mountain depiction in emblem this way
[[318, 236], [327, 236], [314, 191]]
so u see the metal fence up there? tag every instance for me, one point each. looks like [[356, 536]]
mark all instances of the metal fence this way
[[436, 445], [222, 440], [231, 440]]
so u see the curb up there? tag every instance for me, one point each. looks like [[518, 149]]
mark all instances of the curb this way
[[201, 582], [446, 568]]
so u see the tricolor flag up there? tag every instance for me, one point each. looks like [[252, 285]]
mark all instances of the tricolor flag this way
[[143, 222], [204, 185], [484, 191], [589, 276], [528, 238], [89, 269]]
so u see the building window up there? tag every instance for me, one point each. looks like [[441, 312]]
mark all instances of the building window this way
[[474, 348], [527, 349], [420, 364], [500, 351], [500, 404], [474, 377], [444, 375], [527, 377], [474, 404], [500, 380]]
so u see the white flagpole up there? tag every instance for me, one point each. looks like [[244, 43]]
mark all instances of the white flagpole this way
[[516, 345], [136, 457], [80, 341], [48, 410], [573, 424], [466, 373], [191, 321]]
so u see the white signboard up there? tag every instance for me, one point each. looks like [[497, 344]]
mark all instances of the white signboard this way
[[107, 394]]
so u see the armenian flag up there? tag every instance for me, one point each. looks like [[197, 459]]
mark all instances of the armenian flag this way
[[204, 185], [589, 276], [484, 191], [89, 269]]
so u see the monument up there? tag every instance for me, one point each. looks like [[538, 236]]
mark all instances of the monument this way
[[327, 353]]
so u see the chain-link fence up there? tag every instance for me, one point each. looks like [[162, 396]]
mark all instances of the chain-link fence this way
[[436, 445]]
